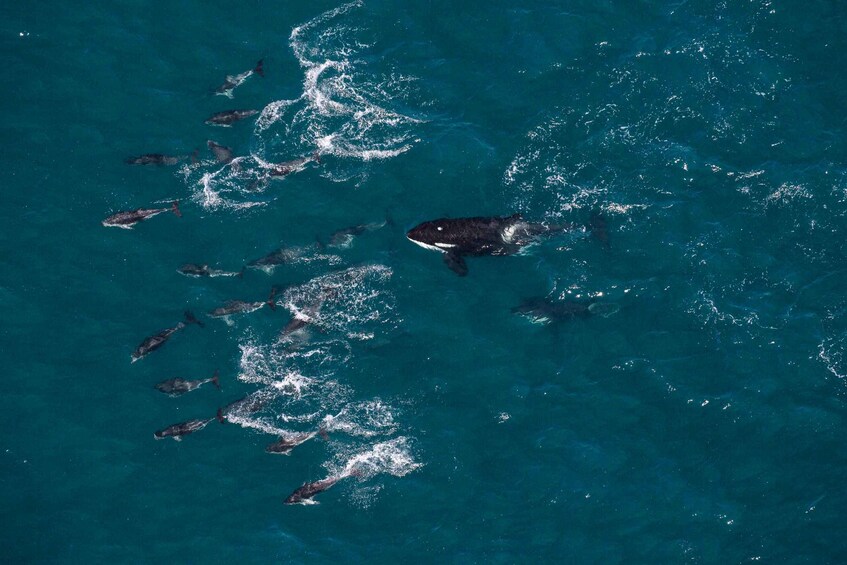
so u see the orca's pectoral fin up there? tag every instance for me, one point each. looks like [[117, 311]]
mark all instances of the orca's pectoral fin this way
[[456, 263], [598, 228]]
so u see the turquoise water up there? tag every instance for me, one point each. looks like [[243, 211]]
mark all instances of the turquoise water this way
[[702, 422]]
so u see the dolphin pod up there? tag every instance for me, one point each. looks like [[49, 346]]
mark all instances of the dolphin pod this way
[[456, 239]]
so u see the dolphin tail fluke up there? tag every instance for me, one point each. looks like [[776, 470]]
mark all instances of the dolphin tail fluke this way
[[260, 68], [175, 208], [271, 302], [220, 416], [194, 155], [190, 318], [322, 431], [216, 379], [316, 157], [240, 274], [597, 226]]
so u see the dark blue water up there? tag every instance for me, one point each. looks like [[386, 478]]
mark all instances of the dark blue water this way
[[699, 419]]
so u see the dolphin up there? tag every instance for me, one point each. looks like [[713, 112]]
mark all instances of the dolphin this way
[[229, 117], [194, 270], [458, 238], [307, 316], [182, 429], [158, 159], [288, 167], [344, 237], [249, 404], [129, 218], [279, 257], [242, 307], [222, 153], [544, 310], [234, 81], [286, 444], [177, 387], [304, 494], [154, 342]]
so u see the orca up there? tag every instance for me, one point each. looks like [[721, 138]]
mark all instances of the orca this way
[[458, 238]]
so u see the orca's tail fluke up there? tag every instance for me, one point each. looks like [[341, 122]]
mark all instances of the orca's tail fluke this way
[[175, 208], [216, 379], [220, 416], [270, 301], [260, 68], [598, 228]]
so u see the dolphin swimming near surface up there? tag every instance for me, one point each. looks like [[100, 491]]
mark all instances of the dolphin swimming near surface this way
[[458, 238], [177, 387], [229, 117], [308, 314], [195, 270], [154, 342], [234, 81], [304, 494], [242, 307], [129, 218], [182, 429]]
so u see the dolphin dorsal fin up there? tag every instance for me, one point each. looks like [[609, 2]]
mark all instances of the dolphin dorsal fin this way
[[517, 216]]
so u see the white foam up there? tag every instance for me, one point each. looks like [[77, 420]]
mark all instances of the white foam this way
[[393, 457]]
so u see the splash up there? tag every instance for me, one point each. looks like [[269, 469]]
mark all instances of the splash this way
[[393, 457]]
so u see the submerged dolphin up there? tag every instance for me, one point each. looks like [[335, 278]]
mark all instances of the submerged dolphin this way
[[288, 167], [182, 429], [279, 257], [249, 404], [544, 310], [154, 342], [158, 159], [229, 117], [129, 218], [222, 153], [458, 238], [285, 444], [344, 237], [177, 387], [234, 81], [194, 270]]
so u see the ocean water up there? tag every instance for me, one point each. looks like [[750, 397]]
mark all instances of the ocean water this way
[[700, 420]]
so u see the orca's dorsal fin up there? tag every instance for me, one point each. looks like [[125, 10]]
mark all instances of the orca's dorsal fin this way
[[456, 263], [517, 216]]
